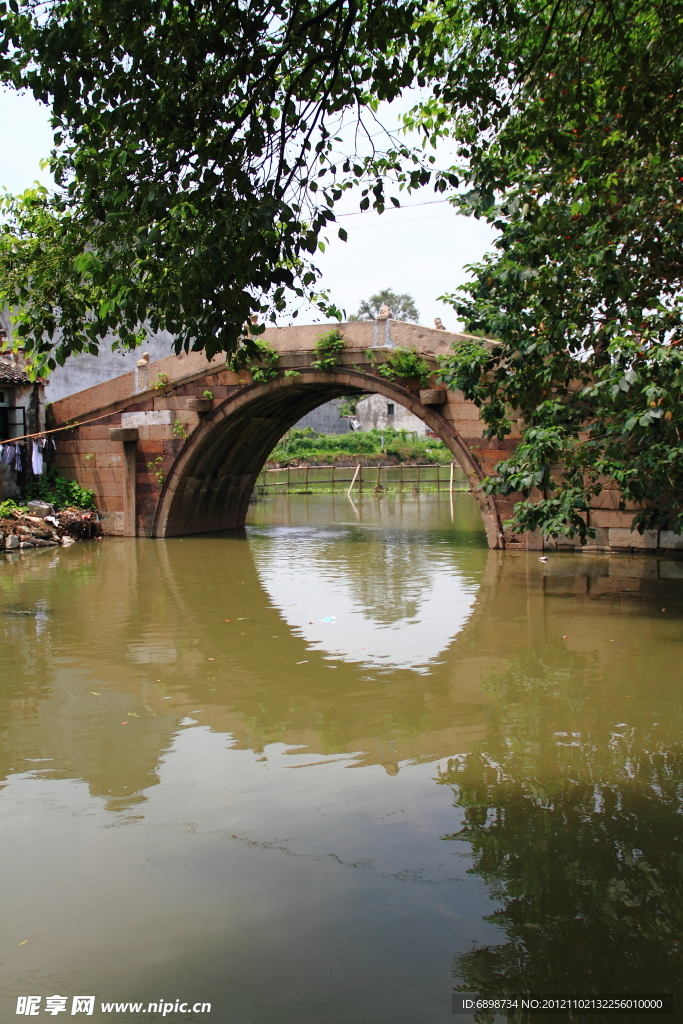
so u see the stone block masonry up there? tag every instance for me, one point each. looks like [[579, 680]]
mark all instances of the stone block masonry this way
[[149, 418]]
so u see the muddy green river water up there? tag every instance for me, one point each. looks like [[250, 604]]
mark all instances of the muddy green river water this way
[[336, 767]]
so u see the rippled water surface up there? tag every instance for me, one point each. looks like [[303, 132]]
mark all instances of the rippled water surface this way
[[328, 770]]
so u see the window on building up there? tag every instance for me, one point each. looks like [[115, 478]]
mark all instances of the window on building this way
[[390, 409], [12, 421]]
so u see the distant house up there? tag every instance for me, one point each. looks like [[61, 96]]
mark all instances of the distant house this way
[[378, 413], [22, 411], [327, 419]]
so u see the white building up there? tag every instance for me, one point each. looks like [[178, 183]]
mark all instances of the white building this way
[[378, 413]]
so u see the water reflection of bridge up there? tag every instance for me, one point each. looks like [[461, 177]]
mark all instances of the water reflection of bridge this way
[[520, 625]]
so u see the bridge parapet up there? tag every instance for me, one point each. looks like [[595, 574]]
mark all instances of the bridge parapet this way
[[294, 345]]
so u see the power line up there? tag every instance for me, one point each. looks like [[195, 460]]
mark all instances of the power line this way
[[427, 202]]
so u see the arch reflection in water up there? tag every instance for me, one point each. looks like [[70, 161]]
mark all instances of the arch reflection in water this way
[[382, 588]]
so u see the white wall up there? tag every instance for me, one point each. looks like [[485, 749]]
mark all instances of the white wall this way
[[374, 413]]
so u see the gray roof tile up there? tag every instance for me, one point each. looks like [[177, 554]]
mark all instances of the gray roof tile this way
[[11, 374]]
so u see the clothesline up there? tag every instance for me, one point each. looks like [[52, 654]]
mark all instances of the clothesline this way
[[83, 423], [44, 451], [56, 430]]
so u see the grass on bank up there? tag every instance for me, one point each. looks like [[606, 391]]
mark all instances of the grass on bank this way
[[303, 445]]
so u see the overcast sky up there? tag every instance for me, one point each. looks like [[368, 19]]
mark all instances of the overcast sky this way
[[419, 249]]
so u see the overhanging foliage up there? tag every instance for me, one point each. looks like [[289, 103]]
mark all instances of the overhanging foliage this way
[[197, 159], [573, 153]]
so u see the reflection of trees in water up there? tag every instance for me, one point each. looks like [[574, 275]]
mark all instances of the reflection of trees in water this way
[[579, 835]]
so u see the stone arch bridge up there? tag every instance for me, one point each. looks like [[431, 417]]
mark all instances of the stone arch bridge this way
[[150, 482]]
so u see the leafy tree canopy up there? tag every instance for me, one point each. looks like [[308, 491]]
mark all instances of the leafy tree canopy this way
[[402, 306], [572, 151], [197, 159]]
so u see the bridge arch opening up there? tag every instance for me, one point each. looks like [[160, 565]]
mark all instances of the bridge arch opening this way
[[210, 484]]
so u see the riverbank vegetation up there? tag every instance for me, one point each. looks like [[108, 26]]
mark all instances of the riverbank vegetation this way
[[572, 152], [303, 446], [56, 490]]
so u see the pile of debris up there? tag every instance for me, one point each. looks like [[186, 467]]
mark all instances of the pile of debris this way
[[42, 527]]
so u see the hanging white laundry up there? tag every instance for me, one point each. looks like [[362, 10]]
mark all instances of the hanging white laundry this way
[[37, 459]]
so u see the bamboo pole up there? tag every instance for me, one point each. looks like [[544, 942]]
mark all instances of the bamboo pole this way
[[348, 493], [451, 483]]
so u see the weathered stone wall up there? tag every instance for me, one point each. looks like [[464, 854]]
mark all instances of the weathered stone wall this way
[[163, 422], [326, 419]]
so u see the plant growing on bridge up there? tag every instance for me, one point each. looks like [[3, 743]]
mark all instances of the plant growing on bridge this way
[[267, 357], [160, 381], [402, 365], [179, 428], [327, 350], [155, 466]]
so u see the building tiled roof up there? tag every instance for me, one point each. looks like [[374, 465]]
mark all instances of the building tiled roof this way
[[11, 374]]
